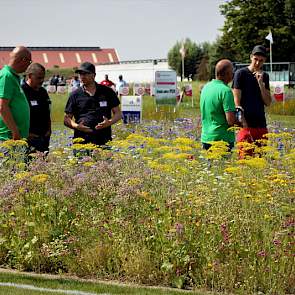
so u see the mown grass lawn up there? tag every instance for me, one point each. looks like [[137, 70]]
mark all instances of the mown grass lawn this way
[[66, 284]]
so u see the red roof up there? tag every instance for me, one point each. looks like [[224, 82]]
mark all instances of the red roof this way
[[65, 57]]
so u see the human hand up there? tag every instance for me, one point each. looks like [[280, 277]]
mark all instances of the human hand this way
[[104, 124], [259, 77], [83, 128]]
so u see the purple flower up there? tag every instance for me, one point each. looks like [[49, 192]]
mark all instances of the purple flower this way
[[179, 228], [261, 253]]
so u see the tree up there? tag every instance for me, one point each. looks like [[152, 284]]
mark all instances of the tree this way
[[193, 56], [203, 69], [247, 23]]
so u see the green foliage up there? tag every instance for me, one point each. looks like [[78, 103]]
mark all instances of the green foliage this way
[[193, 56], [283, 108], [67, 73], [247, 23]]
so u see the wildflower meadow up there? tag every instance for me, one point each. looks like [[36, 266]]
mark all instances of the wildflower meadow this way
[[153, 208]]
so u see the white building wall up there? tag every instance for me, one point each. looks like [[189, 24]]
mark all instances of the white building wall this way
[[131, 72]]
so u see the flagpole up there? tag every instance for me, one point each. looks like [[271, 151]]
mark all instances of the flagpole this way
[[182, 60], [182, 52], [270, 56]]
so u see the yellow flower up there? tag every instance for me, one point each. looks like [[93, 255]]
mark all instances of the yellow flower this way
[[22, 175], [21, 166], [40, 178], [14, 143], [88, 164], [234, 128], [245, 145], [78, 140], [134, 181], [57, 153], [164, 149], [233, 170], [184, 141], [258, 163], [281, 135], [175, 156], [184, 148], [161, 167], [87, 146]]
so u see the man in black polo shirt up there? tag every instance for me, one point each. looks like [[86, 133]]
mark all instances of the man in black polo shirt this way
[[92, 108], [39, 102], [251, 94]]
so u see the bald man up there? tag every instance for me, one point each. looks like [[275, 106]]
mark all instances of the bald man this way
[[14, 107], [218, 107]]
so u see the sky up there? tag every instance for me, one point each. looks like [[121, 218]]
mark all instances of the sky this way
[[137, 29]]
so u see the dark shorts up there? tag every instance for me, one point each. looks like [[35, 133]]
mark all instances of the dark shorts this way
[[40, 143]]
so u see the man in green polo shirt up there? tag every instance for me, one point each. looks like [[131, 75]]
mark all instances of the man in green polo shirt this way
[[14, 107], [218, 107]]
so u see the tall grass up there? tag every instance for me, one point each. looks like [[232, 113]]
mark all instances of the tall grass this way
[[154, 209]]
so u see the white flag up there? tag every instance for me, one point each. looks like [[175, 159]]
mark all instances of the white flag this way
[[269, 37]]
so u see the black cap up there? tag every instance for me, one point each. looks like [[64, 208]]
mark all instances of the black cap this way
[[259, 50], [86, 67]]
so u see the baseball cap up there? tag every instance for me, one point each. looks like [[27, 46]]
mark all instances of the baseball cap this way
[[86, 67], [259, 50]]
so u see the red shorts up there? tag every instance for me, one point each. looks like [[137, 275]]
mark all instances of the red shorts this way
[[250, 135]]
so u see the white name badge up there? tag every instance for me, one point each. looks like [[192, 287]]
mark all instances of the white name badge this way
[[103, 103], [34, 103]]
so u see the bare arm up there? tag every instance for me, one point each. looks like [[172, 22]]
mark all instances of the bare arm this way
[[230, 118], [237, 96], [48, 133], [265, 93], [69, 122], [117, 115], [8, 119]]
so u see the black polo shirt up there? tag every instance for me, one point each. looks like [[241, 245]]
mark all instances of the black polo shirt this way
[[251, 98], [91, 109], [39, 103]]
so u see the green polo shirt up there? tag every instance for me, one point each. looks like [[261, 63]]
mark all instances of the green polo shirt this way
[[11, 90], [216, 99]]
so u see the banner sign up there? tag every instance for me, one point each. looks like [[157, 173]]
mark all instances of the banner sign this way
[[51, 88], [61, 89], [138, 89], [148, 89], [177, 94], [131, 107], [279, 92], [188, 90], [124, 90], [165, 87]]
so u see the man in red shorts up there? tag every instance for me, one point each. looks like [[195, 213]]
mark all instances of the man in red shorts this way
[[251, 94]]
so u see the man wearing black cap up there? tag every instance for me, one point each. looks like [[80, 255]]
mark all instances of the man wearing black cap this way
[[251, 93], [92, 108]]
